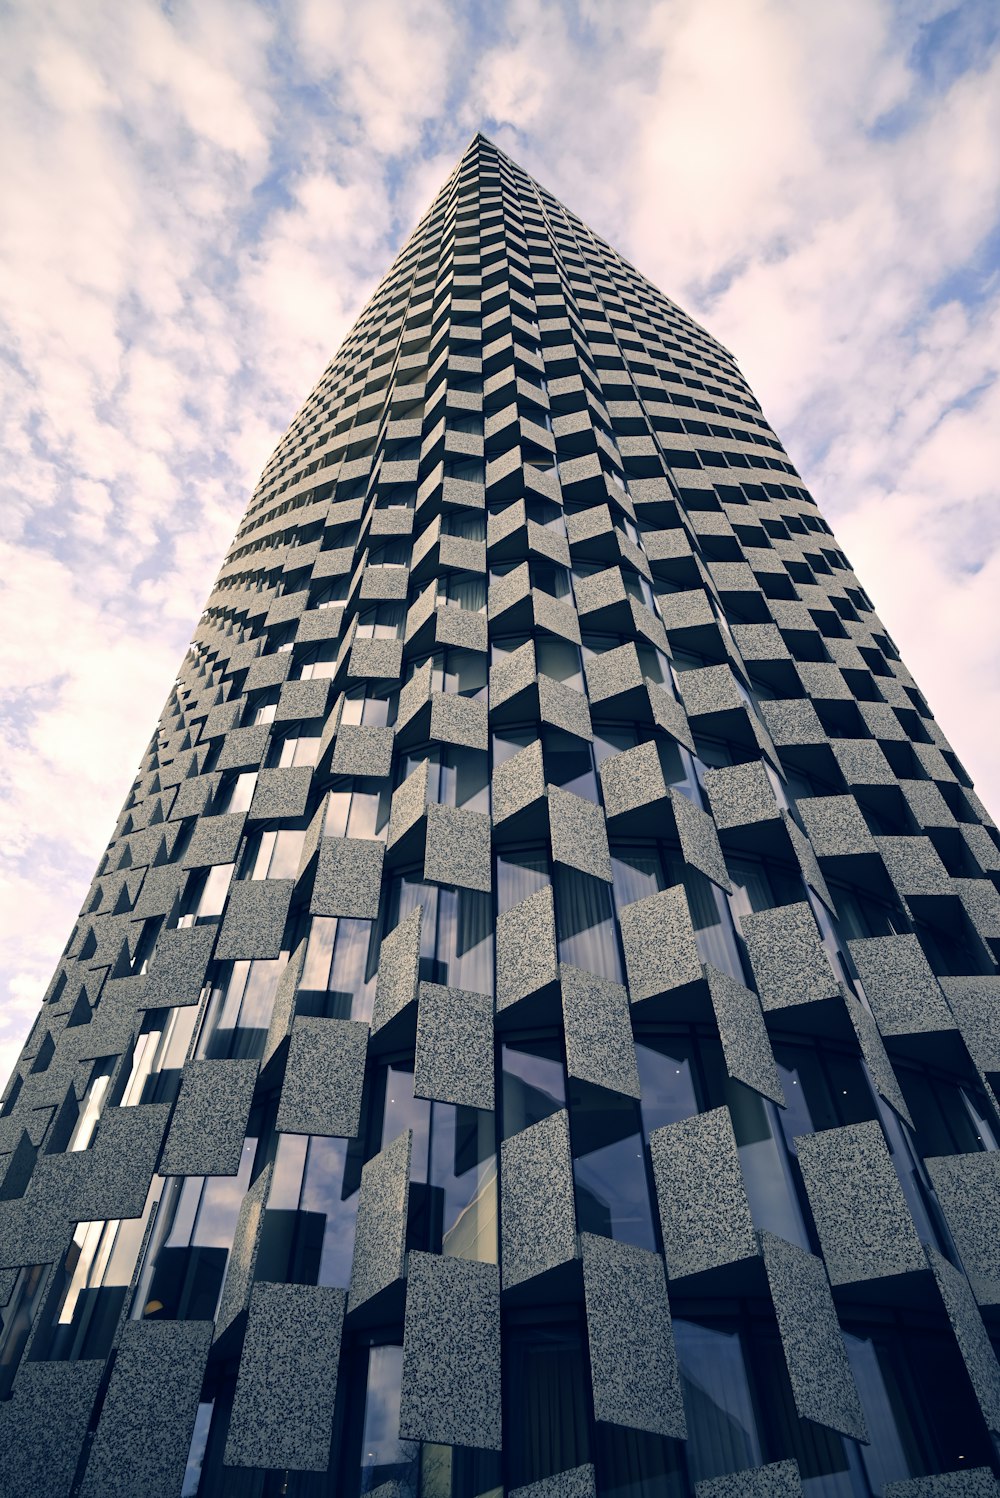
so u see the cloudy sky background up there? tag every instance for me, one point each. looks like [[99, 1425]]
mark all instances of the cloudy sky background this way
[[198, 199]]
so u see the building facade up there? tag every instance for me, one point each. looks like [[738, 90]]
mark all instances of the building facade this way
[[534, 1027]]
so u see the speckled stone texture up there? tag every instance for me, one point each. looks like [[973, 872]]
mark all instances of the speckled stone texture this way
[[659, 942], [975, 1003], [380, 1239], [864, 1225], [968, 1189], [822, 1383], [876, 1057], [526, 948], [598, 1030], [459, 720], [741, 795], [776, 1480], [579, 1482], [254, 921], [789, 964], [348, 877], [518, 782], [177, 972], [453, 1061], [904, 994], [745, 1041], [209, 1121], [450, 1390], [632, 779], [699, 839], [243, 1255], [398, 963], [835, 826], [362, 749], [704, 1211], [977, 1482], [42, 1427], [579, 836], [792, 722], [458, 847], [538, 1211], [324, 1077], [971, 1335], [564, 707], [121, 1162], [283, 1406], [214, 840], [142, 1438], [281, 793], [632, 1359], [409, 802]]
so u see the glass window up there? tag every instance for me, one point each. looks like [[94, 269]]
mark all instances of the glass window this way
[[185, 1264], [158, 1055], [338, 977], [546, 1401], [533, 1082], [239, 1009], [722, 1429], [16, 1319], [609, 1166], [307, 1236], [585, 924], [384, 1457], [518, 875]]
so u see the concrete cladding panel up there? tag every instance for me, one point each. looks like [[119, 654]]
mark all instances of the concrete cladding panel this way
[[632, 1358], [704, 1212], [451, 1352], [142, 1438], [282, 1412], [324, 1077], [538, 1212]]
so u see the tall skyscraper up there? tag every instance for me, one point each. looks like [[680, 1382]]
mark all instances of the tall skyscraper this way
[[535, 1025]]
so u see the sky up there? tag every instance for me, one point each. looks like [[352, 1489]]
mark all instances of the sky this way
[[199, 198]]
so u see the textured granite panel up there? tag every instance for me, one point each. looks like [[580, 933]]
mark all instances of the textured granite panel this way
[[632, 779], [579, 836], [792, 721], [836, 826], [377, 659], [612, 672], [699, 839], [776, 1480], [914, 866], [745, 1041], [710, 689], [876, 1057], [861, 1215], [538, 1212], [704, 1211], [42, 1427], [144, 1432], [409, 801], [459, 720], [904, 994], [564, 707], [786, 954], [348, 877], [971, 1335], [741, 795], [511, 674], [976, 1482], [861, 762], [380, 1239], [243, 1257], [453, 1061], [659, 942], [450, 1391], [526, 948], [121, 1160], [244, 748], [518, 781], [281, 793], [159, 890], [968, 1188], [362, 749], [807, 860], [398, 964], [208, 1127], [598, 1031], [579, 1482], [822, 1383], [177, 972], [324, 1077], [282, 1412], [458, 848], [975, 1003], [254, 921], [632, 1358]]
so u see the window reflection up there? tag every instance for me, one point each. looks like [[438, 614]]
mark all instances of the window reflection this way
[[609, 1167], [338, 977], [185, 1264], [239, 1009], [722, 1430], [384, 1457], [307, 1236]]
